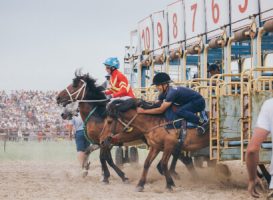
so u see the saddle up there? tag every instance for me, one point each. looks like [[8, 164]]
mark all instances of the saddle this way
[[182, 131], [182, 125], [178, 124]]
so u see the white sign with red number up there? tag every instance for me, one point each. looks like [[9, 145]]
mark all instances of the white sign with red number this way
[[217, 15], [145, 30], [266, 5], [195, 19], [160, 30], [241, 9], [176, 23]]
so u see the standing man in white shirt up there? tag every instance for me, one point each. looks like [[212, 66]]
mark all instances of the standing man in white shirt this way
[[263, 128], [76, 127]]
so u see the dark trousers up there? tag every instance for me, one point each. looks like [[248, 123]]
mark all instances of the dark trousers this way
[[188, 110]]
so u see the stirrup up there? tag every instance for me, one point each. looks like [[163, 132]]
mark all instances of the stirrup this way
[[201, 130]]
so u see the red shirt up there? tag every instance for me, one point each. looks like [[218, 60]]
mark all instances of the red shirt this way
[[119, 86]]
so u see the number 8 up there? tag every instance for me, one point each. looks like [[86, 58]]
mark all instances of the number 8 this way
[[175, 29]]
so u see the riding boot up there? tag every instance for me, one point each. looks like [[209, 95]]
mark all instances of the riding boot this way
[[182, 135], [202, 127]]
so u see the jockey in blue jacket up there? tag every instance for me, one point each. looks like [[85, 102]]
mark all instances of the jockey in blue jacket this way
[[177, 102]]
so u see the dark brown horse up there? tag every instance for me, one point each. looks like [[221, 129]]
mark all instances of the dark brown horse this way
[[92, 107], [116, 132], [158, 137]]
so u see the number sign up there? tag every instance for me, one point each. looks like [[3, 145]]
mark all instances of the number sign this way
[[217, 15], [145, 31], [176, 23], [265, 6], [160, 29], [195, 19], [241, 9]]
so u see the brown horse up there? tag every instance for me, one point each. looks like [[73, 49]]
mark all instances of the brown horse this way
[[158, 137], [116, 132], [92, 107]]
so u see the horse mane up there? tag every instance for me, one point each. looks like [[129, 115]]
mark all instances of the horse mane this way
[[93, 91], [119, 105], [149, 105]]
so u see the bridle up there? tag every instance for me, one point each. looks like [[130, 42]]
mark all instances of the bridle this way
[[127, 128], [82, 90], [77, 92]]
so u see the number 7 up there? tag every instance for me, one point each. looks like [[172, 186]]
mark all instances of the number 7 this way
[[194, 8]]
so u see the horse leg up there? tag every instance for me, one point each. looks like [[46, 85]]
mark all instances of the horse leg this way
[[88, 151], [187, 160], [165, 158], [151, 156], [112, 164], [172, 167], [105, 170], [159, 168]]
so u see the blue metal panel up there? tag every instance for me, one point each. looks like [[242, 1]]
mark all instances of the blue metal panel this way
[[267, 42], [143, 76], [175, 62]]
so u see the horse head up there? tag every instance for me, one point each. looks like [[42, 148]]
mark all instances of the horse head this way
[[117, 110], [82, 88]]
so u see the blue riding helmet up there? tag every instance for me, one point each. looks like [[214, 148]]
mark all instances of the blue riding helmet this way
[[112, 61]]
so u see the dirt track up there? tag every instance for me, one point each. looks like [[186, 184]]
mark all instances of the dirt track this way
[[41, 177], [59, 180]]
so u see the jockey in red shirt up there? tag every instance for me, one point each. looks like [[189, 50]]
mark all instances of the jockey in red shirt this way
[[119, 86]]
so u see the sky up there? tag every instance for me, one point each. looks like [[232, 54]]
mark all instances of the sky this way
[[43, 42]]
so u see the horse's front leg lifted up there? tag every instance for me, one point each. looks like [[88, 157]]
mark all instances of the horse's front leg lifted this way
[[86, 164]]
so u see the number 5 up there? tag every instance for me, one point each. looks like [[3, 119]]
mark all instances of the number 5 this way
[[242, 8]]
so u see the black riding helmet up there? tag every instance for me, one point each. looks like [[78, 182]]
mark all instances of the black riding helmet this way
[[161, 78]]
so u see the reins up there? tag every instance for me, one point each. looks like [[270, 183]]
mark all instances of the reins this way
[[126, 125], [85, 123]]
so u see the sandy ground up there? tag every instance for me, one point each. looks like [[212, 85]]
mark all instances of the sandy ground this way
[[62, 180], [52, 172]]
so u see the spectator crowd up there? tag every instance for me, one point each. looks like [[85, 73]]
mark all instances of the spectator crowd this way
[[31, 115]]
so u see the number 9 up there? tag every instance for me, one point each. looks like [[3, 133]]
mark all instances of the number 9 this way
[[159, 34]]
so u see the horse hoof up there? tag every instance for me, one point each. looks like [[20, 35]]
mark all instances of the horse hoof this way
[[139, 189], [169, 189], [105, 182], [126, 180], [84, 173]]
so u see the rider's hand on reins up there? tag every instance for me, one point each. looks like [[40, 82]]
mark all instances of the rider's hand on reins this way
[[140, 110]]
